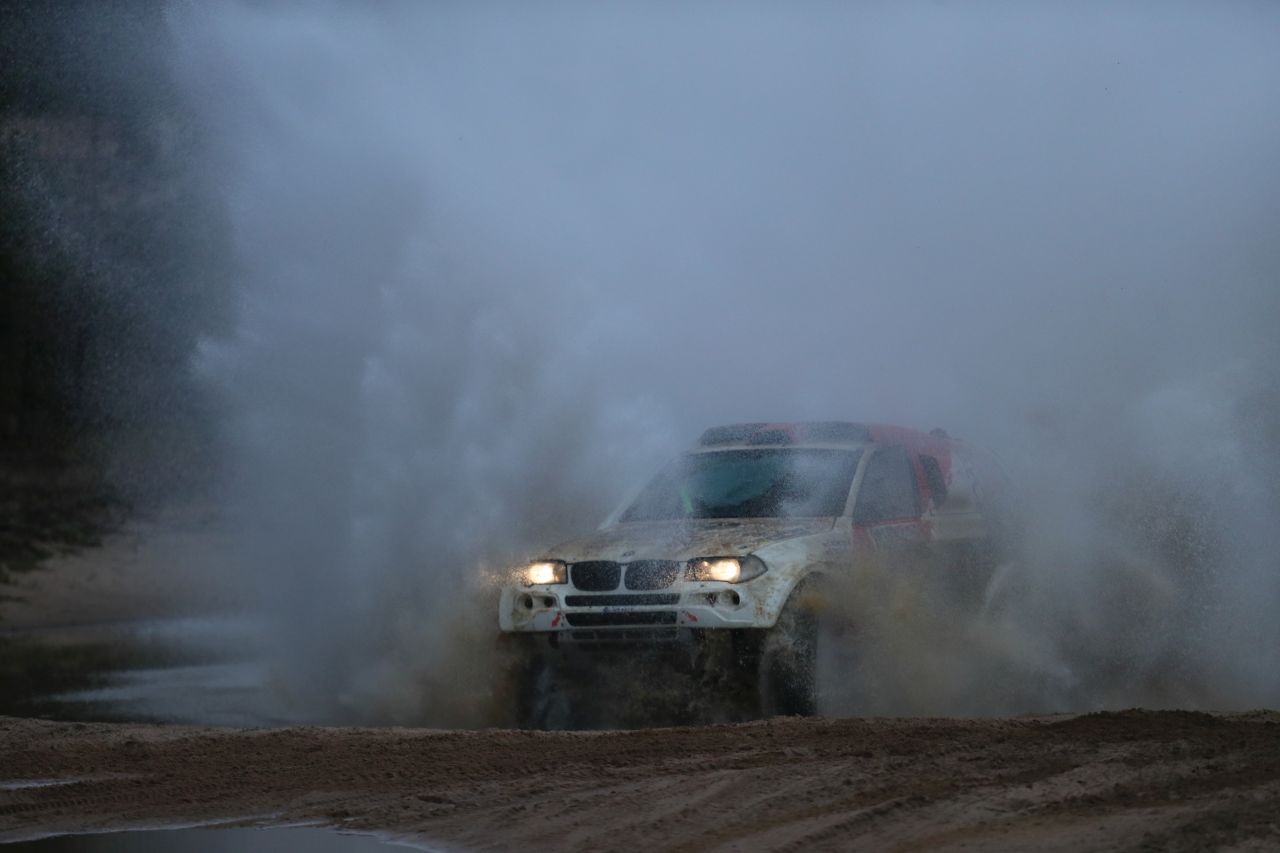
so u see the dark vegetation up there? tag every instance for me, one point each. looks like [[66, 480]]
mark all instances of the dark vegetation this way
[[112, 265]]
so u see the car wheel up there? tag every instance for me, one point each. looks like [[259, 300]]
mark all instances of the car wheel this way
[[802, 654], [541, 702], [531, 689]]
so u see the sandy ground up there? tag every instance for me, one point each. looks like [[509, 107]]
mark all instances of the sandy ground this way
[[1121, 781]]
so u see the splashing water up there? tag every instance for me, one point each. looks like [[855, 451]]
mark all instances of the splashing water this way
[[498, 261]]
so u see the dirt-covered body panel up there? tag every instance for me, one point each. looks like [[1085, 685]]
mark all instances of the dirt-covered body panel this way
[[789, 548], [685, 540]]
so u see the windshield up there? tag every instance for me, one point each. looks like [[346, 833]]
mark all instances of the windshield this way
[[765, 483]]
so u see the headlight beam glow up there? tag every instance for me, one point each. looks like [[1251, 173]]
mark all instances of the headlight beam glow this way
[[725, 569], [546, 572]]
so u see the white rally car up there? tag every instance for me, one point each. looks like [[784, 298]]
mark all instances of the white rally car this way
[[723, 558]]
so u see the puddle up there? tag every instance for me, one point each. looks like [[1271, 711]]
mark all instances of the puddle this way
[[285, 840], [24, 784], [193, 671], [229, 694]]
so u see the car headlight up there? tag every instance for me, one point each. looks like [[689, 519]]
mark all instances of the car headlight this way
[[544, 572], [725, 569]]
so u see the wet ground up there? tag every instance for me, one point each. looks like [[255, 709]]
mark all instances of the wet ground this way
[[1119, 781], [131, 625], [189, 670]]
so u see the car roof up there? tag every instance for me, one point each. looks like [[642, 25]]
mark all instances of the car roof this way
[[763, 434]]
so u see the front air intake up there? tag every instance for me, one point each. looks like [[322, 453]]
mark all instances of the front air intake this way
[[612, 620]]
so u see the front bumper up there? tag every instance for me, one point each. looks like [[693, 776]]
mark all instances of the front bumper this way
[[629, 616]]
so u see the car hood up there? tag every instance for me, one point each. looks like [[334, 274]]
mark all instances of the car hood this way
[[685, 540]]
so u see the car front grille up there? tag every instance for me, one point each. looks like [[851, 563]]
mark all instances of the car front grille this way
[[605, 575], [651, 574]]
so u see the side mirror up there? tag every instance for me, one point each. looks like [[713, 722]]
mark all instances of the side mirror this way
[[934, 479]]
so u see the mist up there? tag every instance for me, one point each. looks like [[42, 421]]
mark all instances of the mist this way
[[496, 263]]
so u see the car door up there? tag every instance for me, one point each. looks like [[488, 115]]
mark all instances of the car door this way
[[886, 509]]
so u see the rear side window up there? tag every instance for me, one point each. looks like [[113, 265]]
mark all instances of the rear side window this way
[[935, 479], [888, 489]]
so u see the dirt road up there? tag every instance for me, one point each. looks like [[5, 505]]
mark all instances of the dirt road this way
[[1132, 780]]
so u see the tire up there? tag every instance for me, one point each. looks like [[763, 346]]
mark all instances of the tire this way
[[799, 653], [541, 703], [532, 689]]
